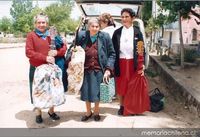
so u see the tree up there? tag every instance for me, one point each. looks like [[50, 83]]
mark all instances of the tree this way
[[59, 15], [177, 10], [6, 25], [21, 13], [20, 7], [150, 30], [146, 12], [67, 2]]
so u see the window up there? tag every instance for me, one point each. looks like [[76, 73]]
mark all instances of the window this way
[[194, 34]]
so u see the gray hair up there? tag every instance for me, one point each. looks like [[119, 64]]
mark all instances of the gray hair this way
[[41, 15], [93, 20]]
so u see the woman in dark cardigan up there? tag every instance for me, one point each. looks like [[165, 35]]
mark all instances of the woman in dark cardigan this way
[[98, 67], [133, 95]]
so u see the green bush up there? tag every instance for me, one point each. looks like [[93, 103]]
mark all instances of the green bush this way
[[151, 72], [190, 55]]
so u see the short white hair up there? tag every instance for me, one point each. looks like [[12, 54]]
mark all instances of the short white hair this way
[[93, 20], [39, 16]]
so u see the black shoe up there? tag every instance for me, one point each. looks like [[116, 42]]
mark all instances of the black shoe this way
[[121, 110], [54, 116], [85, 117], [97, 117], [38, 119]]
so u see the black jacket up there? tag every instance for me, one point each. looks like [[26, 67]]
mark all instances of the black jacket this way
[[116, 42]]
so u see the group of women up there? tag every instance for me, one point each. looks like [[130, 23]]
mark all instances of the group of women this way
[[109, 52]]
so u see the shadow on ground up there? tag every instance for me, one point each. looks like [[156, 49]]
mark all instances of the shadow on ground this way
[[29, 117]]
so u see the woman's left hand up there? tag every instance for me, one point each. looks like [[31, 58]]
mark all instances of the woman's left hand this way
[[52, 53], [141, 72]]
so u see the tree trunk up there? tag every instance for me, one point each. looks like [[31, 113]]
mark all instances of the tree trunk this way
[[151, 41], [170, 43], [181, 40]]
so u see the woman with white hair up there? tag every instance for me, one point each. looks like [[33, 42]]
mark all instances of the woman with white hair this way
[[98, 67], [39, 52]]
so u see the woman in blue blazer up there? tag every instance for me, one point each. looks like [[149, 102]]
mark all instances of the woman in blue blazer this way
[[98, 67]]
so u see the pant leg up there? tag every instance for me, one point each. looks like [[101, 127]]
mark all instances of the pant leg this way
[[64, 79], [60, 61], [31, 76]]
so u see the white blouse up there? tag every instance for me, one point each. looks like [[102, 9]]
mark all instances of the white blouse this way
[[126, 43], [110, 30]]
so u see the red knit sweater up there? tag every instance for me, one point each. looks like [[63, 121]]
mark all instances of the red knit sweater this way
[[37, 49]]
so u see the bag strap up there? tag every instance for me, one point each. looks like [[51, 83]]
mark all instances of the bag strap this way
[[154, 91], [75, 42]]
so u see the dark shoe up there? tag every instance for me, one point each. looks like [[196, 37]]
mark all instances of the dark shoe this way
[[38, 119], [97, 117], [121, 110], [85, 117], [54, 116]]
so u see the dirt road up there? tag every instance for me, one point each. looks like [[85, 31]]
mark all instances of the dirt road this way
[[16, 110]]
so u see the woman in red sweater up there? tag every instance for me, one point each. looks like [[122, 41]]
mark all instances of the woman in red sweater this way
[[38, 51]]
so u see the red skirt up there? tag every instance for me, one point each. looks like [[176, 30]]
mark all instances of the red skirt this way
[[126, 72], [133, 87]]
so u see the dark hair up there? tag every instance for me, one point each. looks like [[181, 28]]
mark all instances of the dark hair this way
[[129, 10], [107, 18]]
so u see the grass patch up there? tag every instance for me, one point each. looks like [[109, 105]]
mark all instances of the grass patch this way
[[151, 72]]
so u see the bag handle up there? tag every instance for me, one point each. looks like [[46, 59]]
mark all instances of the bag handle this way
[[74, 43], [76, 34], [155, 91]]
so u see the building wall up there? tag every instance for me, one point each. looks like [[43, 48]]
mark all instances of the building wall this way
[[187, 27]]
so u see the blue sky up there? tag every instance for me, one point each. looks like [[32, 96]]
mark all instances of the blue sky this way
[[5, 6]]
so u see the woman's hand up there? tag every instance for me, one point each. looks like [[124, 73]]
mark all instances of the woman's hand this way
[[50, 59], [106, 76], [141, 72], [52, 53]]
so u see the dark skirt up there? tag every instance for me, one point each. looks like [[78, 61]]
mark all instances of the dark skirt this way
[[90, 90], [60, 61], [31, 75]]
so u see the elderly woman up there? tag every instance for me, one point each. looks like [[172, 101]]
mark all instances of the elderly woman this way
[[39, 52], [98, 67]]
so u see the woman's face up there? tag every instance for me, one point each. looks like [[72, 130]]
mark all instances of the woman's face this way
[[126, 19], [94, 28], [41, 24]]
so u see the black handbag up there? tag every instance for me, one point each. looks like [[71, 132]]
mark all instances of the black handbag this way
[[157, 100]]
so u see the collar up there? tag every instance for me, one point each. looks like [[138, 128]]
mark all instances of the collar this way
[[42, 35], [127, 28]]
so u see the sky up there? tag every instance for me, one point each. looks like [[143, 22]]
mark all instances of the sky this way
[[5, 6]]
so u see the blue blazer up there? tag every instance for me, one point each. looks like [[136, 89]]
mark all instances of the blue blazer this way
[[106, 52]]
